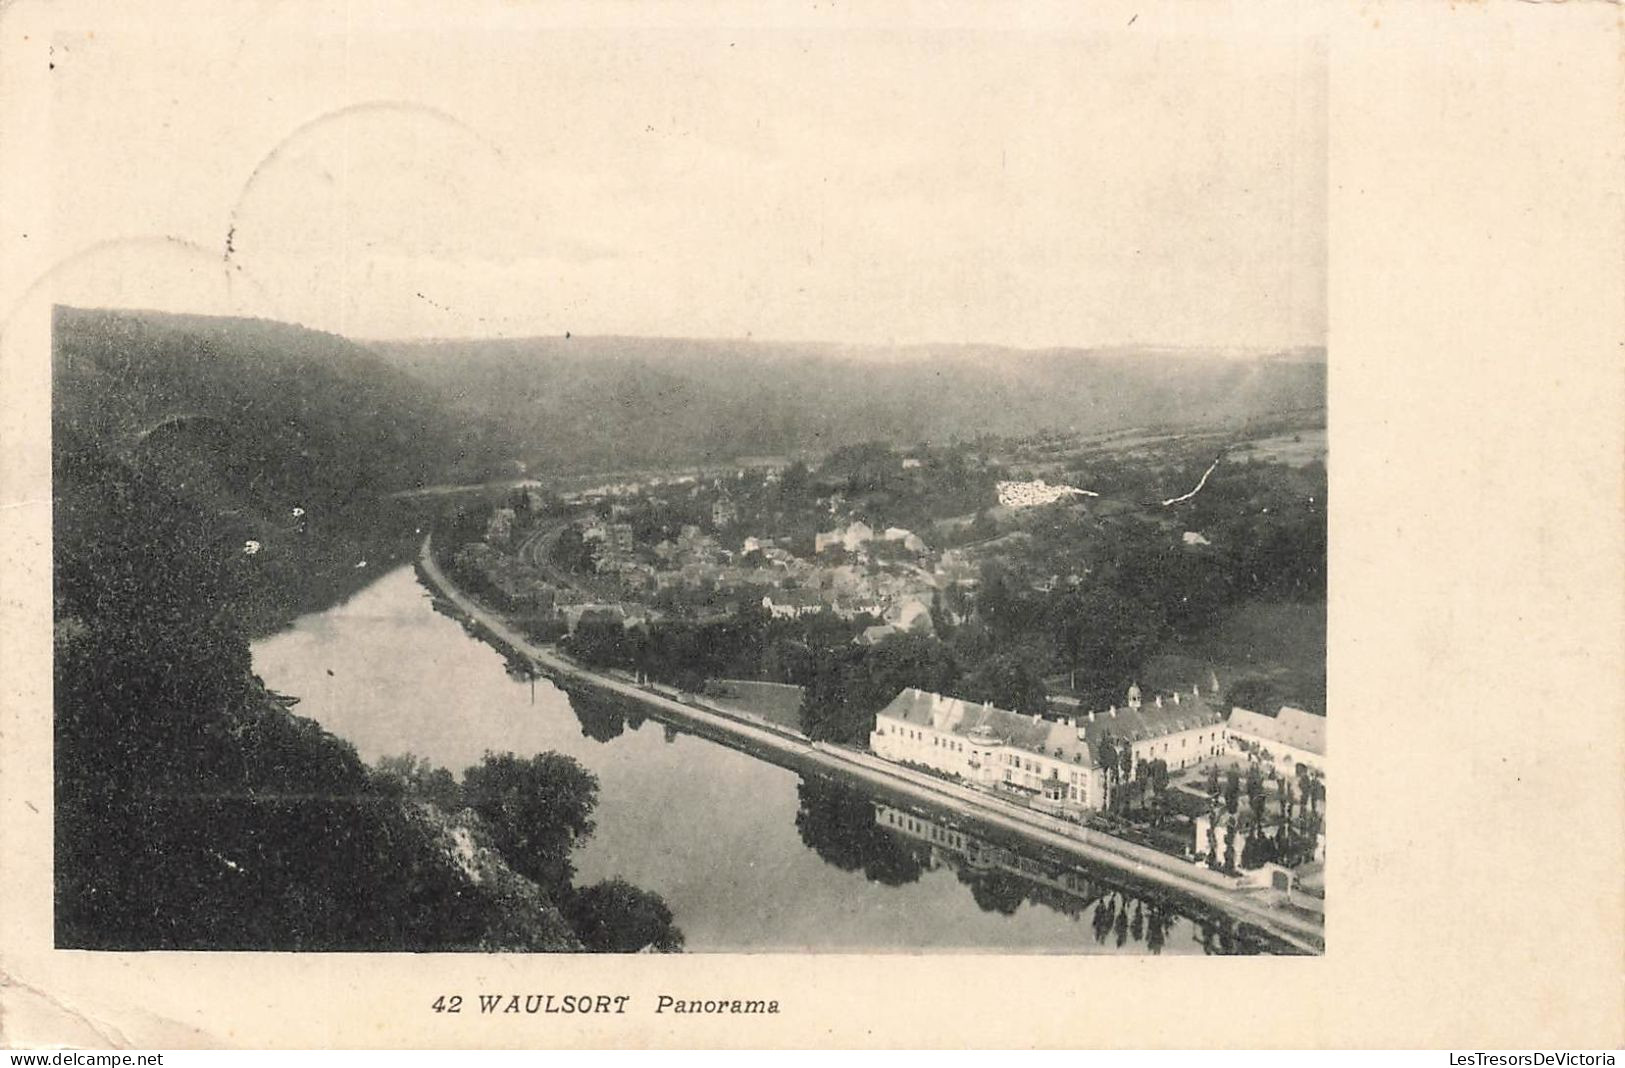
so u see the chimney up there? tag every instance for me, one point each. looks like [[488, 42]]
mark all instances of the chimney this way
[[1113, 711], [1196, 691], [1159, 700], [1176, 697], [1091, 715]]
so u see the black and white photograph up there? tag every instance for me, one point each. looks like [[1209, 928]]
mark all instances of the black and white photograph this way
[[719, 521], [810, 524]]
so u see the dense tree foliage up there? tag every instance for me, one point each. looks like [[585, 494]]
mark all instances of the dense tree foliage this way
[[234, 476], [747, 644], [571, 552], [614, 916], [193, 811], [1012, 680], [848, 684], [537, 810], [406, 775]]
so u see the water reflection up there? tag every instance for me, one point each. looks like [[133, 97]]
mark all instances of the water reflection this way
[[895, 846], [839, 824], [851, 831], [604, 718], [750, 855]]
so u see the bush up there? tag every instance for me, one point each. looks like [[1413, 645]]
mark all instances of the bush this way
[[616, 917]]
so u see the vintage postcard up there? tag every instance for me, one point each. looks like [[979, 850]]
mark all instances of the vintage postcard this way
[[755, 525]]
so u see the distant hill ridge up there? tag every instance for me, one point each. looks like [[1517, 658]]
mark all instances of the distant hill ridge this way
[[312, 410], [584, 402]]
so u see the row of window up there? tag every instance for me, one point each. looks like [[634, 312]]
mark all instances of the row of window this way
[[1014, 759], [1018, 761], [1152, 749], [919, 736], [932, 830]]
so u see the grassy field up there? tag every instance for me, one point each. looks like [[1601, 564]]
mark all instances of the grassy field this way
[[778, 702], [1294, 449], [1284, 642]]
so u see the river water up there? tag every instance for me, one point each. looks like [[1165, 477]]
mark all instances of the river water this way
[[748, 855]]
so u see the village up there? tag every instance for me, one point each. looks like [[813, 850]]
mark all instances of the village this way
[[680, 547], [782, 596]]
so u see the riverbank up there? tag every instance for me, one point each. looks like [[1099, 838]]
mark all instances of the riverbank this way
[[786, 748]]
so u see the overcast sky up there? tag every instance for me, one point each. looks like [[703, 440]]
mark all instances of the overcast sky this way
[[1092, 182]]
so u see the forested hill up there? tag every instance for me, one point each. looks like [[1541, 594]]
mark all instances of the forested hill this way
[[609, 402], [304, 413], [193, 811], [282, 440], [211, 478]]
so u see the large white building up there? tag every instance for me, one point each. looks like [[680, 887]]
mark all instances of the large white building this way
[[1058, 760], [989, 747], [1290, 737], [1181, 729]]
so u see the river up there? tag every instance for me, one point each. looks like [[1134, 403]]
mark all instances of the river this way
[[749, 856]]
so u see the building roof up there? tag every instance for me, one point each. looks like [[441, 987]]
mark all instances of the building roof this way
[[878, 633], [950, 715], [1291, 726], [1149, 720]]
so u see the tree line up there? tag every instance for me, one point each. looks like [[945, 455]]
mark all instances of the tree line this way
[[194, 811], [536, 811]]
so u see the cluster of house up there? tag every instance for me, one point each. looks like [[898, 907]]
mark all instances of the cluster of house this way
[[629, 616], [697, 561], [521, 585], [615, 552], [692, 559], [910, 612], [856, 535], [1059, 762], [898, 594], [900, 597]]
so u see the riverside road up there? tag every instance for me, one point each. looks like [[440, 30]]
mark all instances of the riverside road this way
[[1211, 888]]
